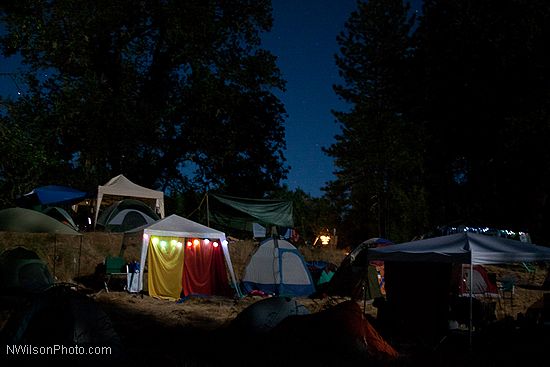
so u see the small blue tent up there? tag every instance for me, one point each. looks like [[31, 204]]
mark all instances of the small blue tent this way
[[277, 267]]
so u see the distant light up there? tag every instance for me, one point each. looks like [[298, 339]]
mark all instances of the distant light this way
[[163, 244], [196, 242], [173, 242], [325, 239], [179, 244], [215, 244], [189, 243], [206, 241], [155, 240], [224, 242]]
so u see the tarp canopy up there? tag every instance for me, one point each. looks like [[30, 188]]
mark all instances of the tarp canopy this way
[[179, 265], [241, 213], [32, 221], [121, 186], [464, 248], [52, 195]]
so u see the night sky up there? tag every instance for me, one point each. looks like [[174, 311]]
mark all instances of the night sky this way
[[304, 40]]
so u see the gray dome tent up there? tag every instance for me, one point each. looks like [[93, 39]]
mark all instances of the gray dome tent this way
[[125, 215], [22, 270]]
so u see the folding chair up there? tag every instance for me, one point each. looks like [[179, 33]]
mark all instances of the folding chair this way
[[531, 269], [506, 288], [114, 266]]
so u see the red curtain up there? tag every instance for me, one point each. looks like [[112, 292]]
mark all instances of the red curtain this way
[[204, 270]]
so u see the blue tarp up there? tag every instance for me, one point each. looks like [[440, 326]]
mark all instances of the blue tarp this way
[[53, 194]]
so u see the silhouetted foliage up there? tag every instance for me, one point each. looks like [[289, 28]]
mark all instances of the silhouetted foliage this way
[[378, 157], [172, 94], [448, 119]]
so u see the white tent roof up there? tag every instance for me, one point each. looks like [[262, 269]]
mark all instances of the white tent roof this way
[[465, 248], [121, 186], [176, 226]]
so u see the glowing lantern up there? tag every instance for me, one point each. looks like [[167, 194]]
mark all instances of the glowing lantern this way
[[325, 239]]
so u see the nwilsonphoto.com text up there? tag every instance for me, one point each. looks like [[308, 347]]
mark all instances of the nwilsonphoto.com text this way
[[56, 349]]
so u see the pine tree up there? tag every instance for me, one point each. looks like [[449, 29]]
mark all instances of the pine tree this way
[[378, 154]]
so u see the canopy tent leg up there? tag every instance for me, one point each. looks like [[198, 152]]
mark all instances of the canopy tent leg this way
[[470, 326]]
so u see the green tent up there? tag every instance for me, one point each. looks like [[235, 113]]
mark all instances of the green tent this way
[[241, 213], [31, 221], [23, 270]]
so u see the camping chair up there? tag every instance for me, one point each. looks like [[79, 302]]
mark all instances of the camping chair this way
[[531, 269], [506, 289], [114, 266]]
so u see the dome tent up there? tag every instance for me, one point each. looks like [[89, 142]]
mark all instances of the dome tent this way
[[278, 267], [126, 214], [120, 186], [23, 270], [32, 221]]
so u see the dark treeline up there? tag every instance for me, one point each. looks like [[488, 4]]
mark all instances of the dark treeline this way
[[449, 118], [176, 95]]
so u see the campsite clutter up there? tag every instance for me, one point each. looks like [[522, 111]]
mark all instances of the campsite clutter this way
[[365, 304]]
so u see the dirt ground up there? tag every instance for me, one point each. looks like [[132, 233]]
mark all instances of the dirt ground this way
[[147, 325], [195, 331]]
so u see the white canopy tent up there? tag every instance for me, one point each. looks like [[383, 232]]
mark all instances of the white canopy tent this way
[[121, 186], [176, 226], [462, 248]]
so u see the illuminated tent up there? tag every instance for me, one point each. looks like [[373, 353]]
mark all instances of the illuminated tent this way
[[277, 267], [120, 186], [184, 258]]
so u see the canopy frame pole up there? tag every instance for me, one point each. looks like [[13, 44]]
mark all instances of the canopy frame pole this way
[[470, 327], [207, 211]]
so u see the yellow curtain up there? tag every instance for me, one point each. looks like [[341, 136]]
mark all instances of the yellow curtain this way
[[165, 264]]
